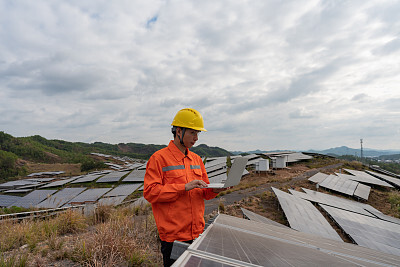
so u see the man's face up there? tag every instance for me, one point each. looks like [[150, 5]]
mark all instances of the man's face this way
[[190, 137]]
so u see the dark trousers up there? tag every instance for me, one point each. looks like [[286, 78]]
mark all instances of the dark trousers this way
[[166, 249]]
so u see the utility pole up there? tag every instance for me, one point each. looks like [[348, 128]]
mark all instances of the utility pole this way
[[361, 141]]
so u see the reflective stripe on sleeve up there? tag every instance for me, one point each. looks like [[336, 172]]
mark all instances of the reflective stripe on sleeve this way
[[171, 168], [194, 167]]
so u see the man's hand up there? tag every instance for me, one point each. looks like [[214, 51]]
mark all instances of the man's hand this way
[[195, 184], [219, 190]]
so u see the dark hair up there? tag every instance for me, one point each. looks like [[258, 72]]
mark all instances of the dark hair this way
[[173, 130]]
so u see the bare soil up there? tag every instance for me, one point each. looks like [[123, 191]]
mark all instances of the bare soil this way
[[69, 168]]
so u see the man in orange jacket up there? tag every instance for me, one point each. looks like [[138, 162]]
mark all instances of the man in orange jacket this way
[[175, 184]]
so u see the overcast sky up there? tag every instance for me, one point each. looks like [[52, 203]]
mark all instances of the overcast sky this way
[[264, 74]]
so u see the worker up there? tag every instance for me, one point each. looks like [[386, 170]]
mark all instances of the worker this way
[[175, 184]]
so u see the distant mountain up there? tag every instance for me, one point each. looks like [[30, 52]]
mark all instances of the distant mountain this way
[[344, 150], [247, 152]]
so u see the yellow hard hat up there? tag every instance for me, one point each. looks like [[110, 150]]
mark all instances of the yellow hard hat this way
[[189, 118]]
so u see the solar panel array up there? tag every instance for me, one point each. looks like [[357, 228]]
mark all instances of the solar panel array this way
[[17, 191], [342, 183], [231, 241], [392, 180], [33, 198], [18, 183], [90, 195], [304, 217], [60, 198], [366, 178], [6, 201], [112, 177], [339, 184], [87, 178], [61, 182], [136, 176], [123, 190], [368, 231], [346, 204]]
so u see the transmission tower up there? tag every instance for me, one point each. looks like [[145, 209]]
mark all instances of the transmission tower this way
[[361, 141]]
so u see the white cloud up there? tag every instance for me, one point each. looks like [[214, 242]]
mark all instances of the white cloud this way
[[266, 75]]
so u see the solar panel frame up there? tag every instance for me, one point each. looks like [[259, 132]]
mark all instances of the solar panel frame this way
[[389, 179], [364, 177]]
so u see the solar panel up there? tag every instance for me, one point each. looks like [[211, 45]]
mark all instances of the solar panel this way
[[86, 178], [60, 198], [6, 201], [33, 198], [123, 190], [111, 201], [303, 216], [366, 178], [61, 182], [362, 191], [258, 218], [17, 183], [368, 231], [337, 202], [90, 195], [135, 176], [237, 242], [394, 181], [112, 177], [318, 178], [339, 184]]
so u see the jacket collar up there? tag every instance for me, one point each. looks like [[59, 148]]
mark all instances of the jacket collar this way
[[177, 153]]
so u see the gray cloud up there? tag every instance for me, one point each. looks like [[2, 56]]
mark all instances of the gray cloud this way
[[270, 75]]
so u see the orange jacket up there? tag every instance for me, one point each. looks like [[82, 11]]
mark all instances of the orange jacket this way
[[179, 214]]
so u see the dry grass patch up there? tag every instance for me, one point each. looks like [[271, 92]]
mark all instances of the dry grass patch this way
[[31, 232], [69, 168]]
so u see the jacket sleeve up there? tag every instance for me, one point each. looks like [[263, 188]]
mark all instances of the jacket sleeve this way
[[208, 192], [154, 189]]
